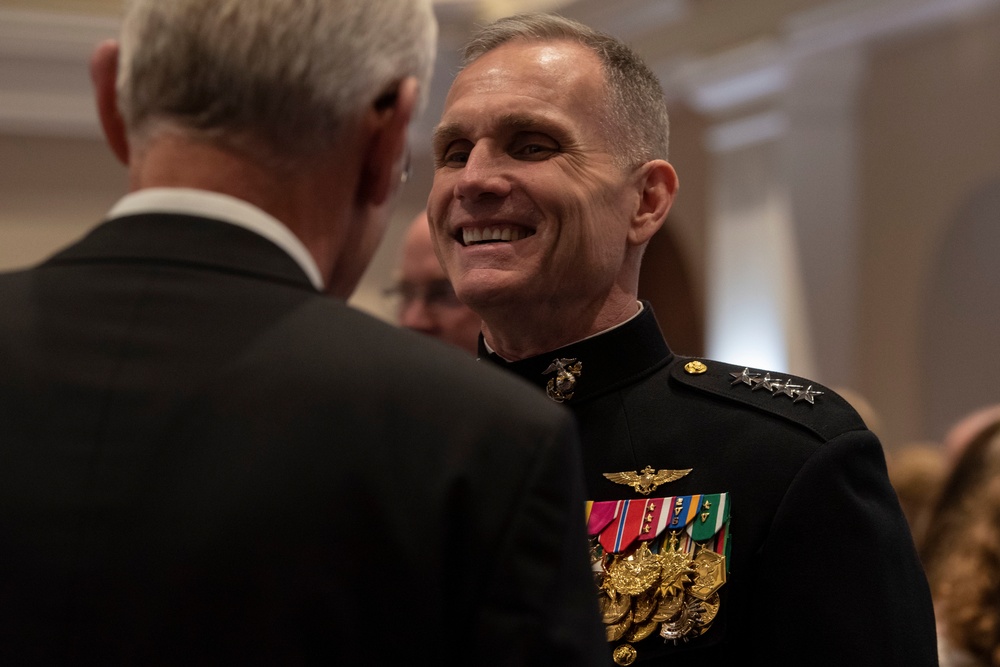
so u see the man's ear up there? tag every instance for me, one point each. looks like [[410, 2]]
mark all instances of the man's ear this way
[[389, 119], [658, 182], [103, 73]]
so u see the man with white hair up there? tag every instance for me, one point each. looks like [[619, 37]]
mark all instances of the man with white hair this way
[[206, 456]]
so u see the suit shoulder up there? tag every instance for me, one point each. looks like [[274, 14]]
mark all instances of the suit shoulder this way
[[791, 397]]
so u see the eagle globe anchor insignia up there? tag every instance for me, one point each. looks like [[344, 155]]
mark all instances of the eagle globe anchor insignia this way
[[561, 387], [658, 563]]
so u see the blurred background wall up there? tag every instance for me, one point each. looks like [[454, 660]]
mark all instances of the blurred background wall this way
[[839, 161]]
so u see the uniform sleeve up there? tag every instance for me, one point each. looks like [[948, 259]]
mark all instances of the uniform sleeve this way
[[541, 606], [843, 581]]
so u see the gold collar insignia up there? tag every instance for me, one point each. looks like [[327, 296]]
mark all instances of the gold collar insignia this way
[[561, 387]]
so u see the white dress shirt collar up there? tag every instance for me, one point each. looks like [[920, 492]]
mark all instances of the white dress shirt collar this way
[[188, 201]]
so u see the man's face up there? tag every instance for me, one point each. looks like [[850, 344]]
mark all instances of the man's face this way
[[427, 302], [521, 156]]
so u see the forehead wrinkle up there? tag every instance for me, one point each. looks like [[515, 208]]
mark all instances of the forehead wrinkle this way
[[521, 121]]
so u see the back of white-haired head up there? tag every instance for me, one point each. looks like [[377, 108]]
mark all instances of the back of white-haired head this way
[[276, 78]]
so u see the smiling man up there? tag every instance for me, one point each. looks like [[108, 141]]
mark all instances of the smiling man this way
[[538, 170], [737, 515]]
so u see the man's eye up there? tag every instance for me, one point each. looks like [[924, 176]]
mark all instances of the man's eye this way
[[534, 151], [455, 158], [454, 155]]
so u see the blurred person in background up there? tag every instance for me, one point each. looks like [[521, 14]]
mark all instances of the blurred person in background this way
[[966, 429], [962, 553], [425, 299], [917, 471]]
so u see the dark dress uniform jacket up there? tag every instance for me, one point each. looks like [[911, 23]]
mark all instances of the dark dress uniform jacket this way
[[203, 460], [822, 569]]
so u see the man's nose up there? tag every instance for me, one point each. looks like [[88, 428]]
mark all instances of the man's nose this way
[[486, 173], [416, 314]]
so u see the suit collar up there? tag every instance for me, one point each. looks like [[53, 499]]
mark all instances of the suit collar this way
[[185, 240], [218, 206]]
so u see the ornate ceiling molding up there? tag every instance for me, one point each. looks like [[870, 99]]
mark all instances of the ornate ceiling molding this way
[[45, 87], [749, 73]]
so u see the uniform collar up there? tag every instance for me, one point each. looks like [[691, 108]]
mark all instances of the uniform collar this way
[[595, 365]]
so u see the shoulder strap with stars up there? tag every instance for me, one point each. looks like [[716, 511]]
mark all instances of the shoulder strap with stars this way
[[798, 399]]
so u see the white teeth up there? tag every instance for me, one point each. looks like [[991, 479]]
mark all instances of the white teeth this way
[[471, 236]]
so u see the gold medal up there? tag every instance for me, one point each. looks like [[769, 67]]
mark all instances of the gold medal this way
[[617, 630], [677, 569], [639, 632], [624, 655], [711, 573], [645, 605], [668, 608], [673, 591], [710, 609], [635, 573], [612, 609]]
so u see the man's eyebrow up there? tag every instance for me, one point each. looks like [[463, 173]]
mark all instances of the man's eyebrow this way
[[445, 133]]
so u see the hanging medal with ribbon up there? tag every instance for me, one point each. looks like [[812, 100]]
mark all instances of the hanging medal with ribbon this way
[[659, 564]]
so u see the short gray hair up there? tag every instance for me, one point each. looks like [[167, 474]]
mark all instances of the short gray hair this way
[[635, 111], [285, 77]]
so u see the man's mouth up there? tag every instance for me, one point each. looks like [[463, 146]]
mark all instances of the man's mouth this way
[[499, 234]]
